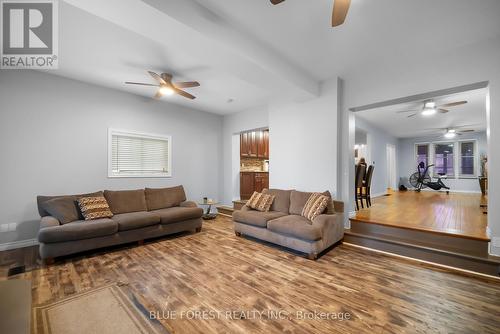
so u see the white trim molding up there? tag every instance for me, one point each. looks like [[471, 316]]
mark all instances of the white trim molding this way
[[18, 244]]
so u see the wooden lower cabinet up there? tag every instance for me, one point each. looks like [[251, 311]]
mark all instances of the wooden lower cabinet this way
[[252, 181]]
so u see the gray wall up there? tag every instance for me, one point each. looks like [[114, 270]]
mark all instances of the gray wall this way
[[377, 141], [53, 135], [408, 165]]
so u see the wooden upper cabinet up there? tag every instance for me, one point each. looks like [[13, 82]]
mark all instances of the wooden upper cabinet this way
[[244, 145], [264, 144], [253, 139]]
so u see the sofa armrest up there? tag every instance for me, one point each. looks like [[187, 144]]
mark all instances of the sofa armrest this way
[[338, 206], [48, 221], [332, 227], [188, 204], [246, 208]]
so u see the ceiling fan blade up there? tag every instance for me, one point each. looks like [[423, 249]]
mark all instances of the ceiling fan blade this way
[[443, 111], [139, 83], [276, 2], [464, 131], [403, 111], [157, 78], [340, 9], [187, 84], [452, 104], [158, 95], [412, 115], [185, 94]]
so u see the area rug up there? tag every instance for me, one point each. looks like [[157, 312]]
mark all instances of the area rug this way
[[105, 310]]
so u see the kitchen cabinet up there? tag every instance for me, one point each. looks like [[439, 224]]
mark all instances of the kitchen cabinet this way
[[254, 144], [252, 181]]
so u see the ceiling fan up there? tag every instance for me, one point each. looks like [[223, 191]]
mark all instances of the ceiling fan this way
[[340, 9], [452, 132], [430, 108], [167, 87]]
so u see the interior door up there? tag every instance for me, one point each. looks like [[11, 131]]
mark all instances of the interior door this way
[[391, 167]]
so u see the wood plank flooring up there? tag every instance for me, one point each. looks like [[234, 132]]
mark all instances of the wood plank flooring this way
[[459, 214], [216, 271]]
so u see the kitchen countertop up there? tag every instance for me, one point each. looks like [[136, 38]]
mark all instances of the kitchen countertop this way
[[252, 171]]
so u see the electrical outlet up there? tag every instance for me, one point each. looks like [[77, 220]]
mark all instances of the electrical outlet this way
[[496, 242]]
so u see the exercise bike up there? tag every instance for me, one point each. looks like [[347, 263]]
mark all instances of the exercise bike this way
[[421, 179]]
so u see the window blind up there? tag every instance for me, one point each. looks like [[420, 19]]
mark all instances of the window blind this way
[[136, 155]]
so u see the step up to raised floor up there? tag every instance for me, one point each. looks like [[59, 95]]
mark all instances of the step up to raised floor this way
[[451, 250], [225, 210]]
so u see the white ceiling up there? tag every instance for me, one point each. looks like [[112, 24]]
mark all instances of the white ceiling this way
[[254, 52], [472, 115]]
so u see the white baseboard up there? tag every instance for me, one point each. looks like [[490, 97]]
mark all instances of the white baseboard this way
[[453, 191], [18, 244]]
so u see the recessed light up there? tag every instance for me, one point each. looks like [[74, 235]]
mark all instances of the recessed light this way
[[230, 100]]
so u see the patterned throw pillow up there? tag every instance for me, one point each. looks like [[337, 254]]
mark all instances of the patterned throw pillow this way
[[315, 205], [261, 202], [94, 208]]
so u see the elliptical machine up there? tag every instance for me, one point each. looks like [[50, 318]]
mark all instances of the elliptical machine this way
[[421, 179]]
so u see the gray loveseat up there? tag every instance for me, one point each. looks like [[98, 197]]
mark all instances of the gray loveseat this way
[[137, 215], [284, 225]]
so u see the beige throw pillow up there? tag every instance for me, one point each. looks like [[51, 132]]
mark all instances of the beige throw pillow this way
[[94, 208], [315, 205], [260, 202]]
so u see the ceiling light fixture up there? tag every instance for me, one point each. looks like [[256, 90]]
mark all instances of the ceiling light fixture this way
[[428, 111], [166, 90], [450, 135], [430, 104]]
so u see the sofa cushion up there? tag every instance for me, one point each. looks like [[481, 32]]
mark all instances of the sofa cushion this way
[[177, 214], [78, 230], [298, 200], [164, 197], [281, 201], [260, 202], [315, 205], [256, 218], [134, 220], [64, 207], [124, 201], [94, 208], [295, 226]]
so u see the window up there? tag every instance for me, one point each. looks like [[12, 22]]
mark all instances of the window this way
[[134, 154], [467, 158], [422, 151], [443, 159]]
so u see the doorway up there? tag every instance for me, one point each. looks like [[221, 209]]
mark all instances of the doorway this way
[[391, 167]]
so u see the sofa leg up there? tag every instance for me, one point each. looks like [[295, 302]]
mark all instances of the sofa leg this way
[[238, 234], [49, 261], [198, 229], [140, 242], [312, 256]]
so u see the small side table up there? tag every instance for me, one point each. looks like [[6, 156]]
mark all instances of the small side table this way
[[207, 215]]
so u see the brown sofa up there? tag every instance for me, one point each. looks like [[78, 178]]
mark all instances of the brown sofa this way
[[137, 215], [284, 225]]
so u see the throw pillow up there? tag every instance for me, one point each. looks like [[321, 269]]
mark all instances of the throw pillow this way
[[94, 207], [315, 205], [65, 209], [260, 202]]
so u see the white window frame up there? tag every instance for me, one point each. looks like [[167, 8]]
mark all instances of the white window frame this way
[[113, 131], [476, 159]]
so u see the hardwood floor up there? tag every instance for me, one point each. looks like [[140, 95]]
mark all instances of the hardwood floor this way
[[216, 271], [459, 214]]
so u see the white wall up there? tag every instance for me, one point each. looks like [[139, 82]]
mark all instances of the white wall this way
[[53, 135], [303, 142], [408, 166], [377, 140], [439, 70], [232, 125]]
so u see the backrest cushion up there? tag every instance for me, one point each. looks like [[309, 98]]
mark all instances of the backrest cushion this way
[[281, 201], [124, 201], [315, 205], [298, 200], [164, 197], [64, 208], [94, 208], [261, 202]]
